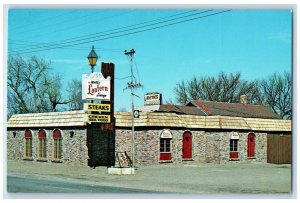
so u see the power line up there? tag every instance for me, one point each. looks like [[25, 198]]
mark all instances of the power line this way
[[137, 70], [123, 78], [88, 36], [78, 25], [121, 35], [25, 43]]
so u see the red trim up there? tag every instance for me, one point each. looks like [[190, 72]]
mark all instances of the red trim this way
[[56, 134], [28, 134], [251, 145], [199, 104], [42, 134], [233, 155], [187, 145], [165, 156]]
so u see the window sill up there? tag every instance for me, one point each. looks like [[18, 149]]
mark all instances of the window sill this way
[[234, 159], [28, 158], [165, 161], [57, 160], [188, 159], [42, 159], [251, 158]]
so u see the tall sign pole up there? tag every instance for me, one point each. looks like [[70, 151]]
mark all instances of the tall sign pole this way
[[132, 85]]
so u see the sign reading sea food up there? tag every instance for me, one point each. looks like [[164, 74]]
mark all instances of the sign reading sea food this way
[[97, 118], [95, 87]]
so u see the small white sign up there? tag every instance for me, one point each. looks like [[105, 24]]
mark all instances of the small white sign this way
[[166, 134], [235, 136], [136, 113], [95, 87], [152, 99]]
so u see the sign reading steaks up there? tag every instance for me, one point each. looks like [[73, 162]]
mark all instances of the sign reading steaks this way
[[97, 107]]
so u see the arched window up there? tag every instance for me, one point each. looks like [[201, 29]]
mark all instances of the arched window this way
[[234, 146], [165, 145], [57, 144], [42, 144], [28, 143]]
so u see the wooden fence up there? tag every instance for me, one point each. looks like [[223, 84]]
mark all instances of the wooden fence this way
[[279, 148]]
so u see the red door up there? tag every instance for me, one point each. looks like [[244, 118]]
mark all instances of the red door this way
[[251, 145], [187, 145]]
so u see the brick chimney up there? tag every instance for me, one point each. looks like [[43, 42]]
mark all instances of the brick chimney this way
[[243, 99]]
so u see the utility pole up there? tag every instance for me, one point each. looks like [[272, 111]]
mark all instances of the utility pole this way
[[132, 85]]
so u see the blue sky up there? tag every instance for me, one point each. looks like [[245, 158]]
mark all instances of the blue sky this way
[[256, 43]]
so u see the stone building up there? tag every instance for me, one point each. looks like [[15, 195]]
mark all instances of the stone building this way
[[170, 137], [59, 137], [200, 131]]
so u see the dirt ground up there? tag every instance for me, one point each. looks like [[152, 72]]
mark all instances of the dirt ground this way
[[187, 178]]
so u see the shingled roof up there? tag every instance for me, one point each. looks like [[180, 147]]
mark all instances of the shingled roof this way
[[213, 108], [188, 110], [151, 119]]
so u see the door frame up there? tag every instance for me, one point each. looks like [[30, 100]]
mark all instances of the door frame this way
[[251, 145], [184, 152]]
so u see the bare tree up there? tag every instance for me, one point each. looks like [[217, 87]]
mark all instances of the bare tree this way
[[53, 91], [274, 92], [75, 95], [31, 89], [181, 93], [277, 94], [223, 88]]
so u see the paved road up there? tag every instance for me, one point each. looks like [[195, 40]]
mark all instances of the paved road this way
[[36, 185], [188, 178]]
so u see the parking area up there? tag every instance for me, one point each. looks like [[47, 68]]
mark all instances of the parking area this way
[[187, 178]]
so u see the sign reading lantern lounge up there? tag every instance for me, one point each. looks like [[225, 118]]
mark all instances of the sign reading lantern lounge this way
[[95, 87]]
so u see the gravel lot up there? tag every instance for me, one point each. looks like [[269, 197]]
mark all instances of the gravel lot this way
[[187, 178]]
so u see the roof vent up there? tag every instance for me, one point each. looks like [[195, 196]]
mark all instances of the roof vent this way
[[243, 99]]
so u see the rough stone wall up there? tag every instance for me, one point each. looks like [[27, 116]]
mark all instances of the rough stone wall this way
[[217, 147], [210, 147], [206, 146], [199, 145], [15, 145], [176, 144], [260, 147], [147, 145], [74, 148]]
